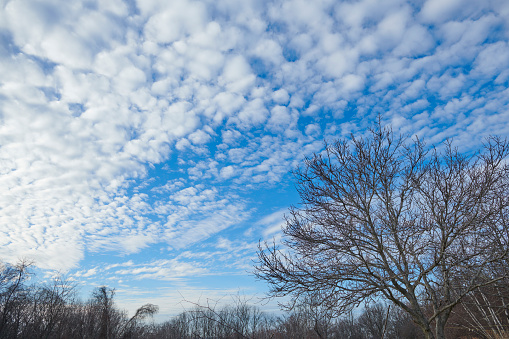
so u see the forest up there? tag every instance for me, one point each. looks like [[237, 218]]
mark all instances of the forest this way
[[53, 310]]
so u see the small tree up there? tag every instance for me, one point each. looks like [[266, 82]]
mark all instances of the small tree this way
[[373, 320], [14, 296], [383, 217], [134, 327]]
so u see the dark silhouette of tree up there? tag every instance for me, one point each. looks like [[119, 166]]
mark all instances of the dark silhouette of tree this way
[[382, 217], [134, 327], [103, 300], [373, 321], [50, 310], [13, 297], [235, 321]]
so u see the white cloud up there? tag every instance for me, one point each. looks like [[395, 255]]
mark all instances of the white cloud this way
[[272, 223], [416, 40], [116, 7], [177, 19], [227, 104], [162, 270], [130, 79], [279, 118], [69, 34], [313, 129], [231, 136], [199, 137], [237, 75], [352, 83], [281, 96], [437, 11], [252, 114], [338, 63], [96, 96], [63, 47], [391, 29], [227, 172], [493, 59], [269, 50]]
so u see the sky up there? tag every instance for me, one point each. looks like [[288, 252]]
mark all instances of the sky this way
[[148, 145]]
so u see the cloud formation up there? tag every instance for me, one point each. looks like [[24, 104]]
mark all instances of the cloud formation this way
[[132, 125]]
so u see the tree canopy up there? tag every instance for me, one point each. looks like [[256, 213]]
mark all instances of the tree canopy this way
[[384, 216]]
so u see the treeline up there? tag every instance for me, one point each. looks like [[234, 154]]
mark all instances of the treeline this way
[[488, 318], [304, 322], [52, 310]]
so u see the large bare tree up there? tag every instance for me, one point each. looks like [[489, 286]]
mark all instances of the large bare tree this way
[[383, 216]]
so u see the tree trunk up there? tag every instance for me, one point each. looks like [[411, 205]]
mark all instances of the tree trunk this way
[[426, 329], [440, 328], [429, 334]]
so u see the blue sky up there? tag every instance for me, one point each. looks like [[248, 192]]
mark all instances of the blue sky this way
[[147, 145]]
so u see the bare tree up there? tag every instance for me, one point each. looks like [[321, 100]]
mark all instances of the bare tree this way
[[235, 321], [401, 325], [134, 327], [50, 310], [46, 311], [373, 321], [14, 296], [347, 327], [381, 216]]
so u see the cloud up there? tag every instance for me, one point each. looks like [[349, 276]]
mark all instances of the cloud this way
[[237, 76], [493, 60], [179, 18], [206, 103], [227, 172], [272, 224], [415, 41], [68, 34], [161, 270], [280, 118], [437, 11]]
